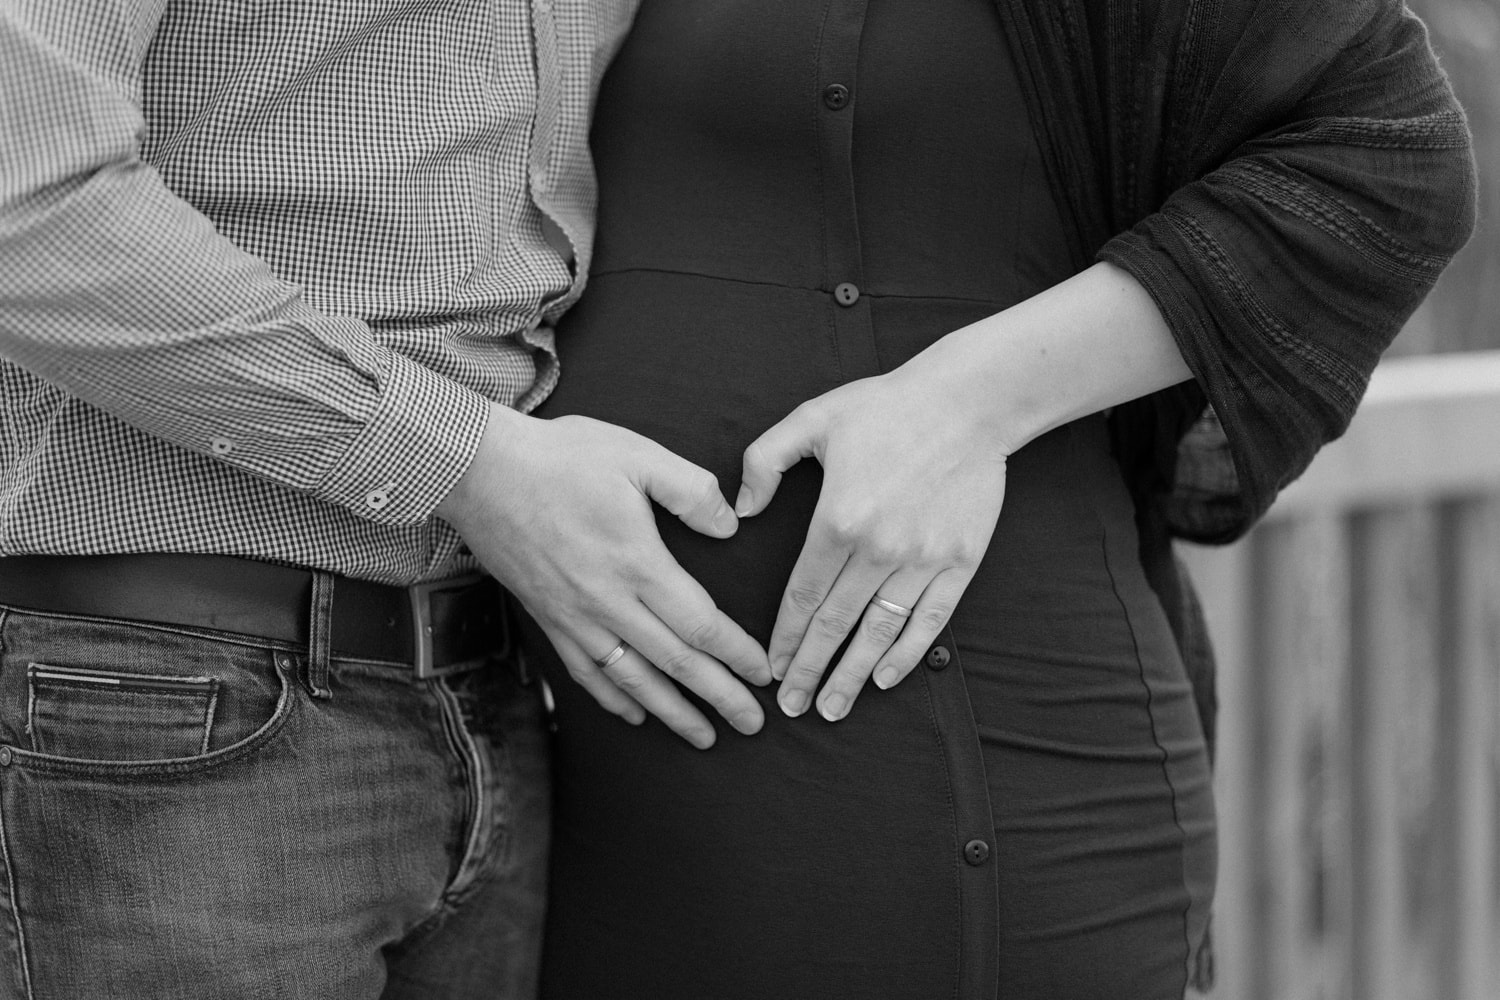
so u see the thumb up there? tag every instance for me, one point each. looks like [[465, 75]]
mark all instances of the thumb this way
[[689, 491], [770, 455]]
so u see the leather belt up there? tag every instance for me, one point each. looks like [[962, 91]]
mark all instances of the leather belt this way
[[436, 628]]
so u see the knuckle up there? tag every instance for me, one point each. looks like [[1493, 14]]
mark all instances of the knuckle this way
[[881, 629], [834, 623], [844, 529], [963, 553], [804, 599], [803, 675], [933, 619], [884, 549], [703, 633], [703, 488], [679, 664], [629, 681], [755, 454]]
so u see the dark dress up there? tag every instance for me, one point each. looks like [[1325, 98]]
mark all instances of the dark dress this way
[[792, 196]]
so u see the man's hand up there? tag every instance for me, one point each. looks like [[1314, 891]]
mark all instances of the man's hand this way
[[559, 511]]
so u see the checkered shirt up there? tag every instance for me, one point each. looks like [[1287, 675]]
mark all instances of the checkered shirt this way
[[263, 265]]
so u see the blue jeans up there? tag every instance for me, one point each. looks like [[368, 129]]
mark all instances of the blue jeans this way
[[179, 818]]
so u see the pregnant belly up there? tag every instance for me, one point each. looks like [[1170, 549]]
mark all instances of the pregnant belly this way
[[704, 366]]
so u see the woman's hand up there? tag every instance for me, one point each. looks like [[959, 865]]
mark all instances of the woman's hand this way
[[914, 471], [911, 493]]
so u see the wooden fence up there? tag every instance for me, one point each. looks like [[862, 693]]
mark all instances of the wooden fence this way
[[1358, 774]]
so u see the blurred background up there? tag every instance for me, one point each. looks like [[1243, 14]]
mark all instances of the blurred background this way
[[1358, 633]]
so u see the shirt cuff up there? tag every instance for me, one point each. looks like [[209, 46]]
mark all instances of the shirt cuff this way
[[415, 448]]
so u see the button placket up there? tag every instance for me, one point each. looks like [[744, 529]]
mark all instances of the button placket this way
[[843, 259], [972, 818]]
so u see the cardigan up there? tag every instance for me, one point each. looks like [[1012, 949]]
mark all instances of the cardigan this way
[[1286, 179]]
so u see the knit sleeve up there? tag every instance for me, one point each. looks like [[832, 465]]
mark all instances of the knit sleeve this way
[[1319, 201]]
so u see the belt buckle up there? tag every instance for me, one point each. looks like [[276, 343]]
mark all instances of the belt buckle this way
[[420, 595]]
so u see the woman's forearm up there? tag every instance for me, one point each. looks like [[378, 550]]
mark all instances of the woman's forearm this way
[[1086, 344]]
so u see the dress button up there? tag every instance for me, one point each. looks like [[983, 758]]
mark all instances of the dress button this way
[[938, 657], [221, 446], [6, 756], [836, 95], [976, 852], [846, 294], [376, 499]]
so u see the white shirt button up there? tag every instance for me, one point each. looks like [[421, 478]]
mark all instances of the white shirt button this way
[[376, 499], [221, 446]]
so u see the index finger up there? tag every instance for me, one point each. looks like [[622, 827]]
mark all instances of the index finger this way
[[692, 668], [818, 565], [688, 610]]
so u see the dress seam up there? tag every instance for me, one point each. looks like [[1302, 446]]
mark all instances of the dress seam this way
[[1166, 771]]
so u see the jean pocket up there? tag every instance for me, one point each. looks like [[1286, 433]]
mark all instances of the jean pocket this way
[[130, 699], [103, 715]]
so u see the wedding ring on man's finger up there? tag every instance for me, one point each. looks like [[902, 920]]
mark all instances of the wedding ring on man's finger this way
[[891, 606], [613, 656]]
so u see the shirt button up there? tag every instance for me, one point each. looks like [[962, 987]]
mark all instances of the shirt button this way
[[976, 852], [6, 756], [938, 657], [846, 294], [376, 499], [221, 446], [836, 95]]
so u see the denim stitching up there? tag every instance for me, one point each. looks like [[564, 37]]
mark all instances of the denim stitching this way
[[30, 709], [15, 909], [320, 624], [10, 875], [211, 703], [176, 768], [208, 716], [473, 861]]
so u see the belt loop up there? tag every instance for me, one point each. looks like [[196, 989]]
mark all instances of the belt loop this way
[[319, 642]]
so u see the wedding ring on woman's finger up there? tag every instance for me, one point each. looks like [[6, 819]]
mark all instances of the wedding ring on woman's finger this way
[[891, 606], [610, 658]]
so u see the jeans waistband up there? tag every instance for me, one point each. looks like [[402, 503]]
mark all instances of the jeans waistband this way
[[436, 628]]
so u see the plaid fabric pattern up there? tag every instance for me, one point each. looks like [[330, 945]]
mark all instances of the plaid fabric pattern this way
[[263, 266]]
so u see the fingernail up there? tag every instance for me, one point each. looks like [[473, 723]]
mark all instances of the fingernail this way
[[885, 679], [794, 702], [725, 521], [835, 706], [778, 667], [744, 501]]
